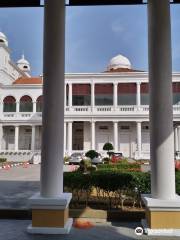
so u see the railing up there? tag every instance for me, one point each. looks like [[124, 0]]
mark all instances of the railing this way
[[87, 110]]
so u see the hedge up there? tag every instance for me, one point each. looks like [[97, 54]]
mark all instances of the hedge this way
[[112, 187], [120, 166]]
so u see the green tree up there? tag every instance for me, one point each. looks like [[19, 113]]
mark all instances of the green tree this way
[[108, 147], [91, 154]]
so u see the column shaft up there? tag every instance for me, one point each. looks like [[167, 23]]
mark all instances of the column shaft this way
[[53, 98], [70, 94], [138, 94], [139, 140], [16, 138], [1, 136], [64, 138], [161, 114], [92, 95], [33, 138], [69, 138], [178, 138], [34, 107], [93, 136], [116, 136], [115, 95]]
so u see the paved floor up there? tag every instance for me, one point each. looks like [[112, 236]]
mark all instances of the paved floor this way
[[16, 230]]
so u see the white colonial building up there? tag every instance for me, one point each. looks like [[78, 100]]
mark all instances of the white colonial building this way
[[99, 107]]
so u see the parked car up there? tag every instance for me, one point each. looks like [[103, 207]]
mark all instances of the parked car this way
[[98, 159], [75, 158], [115, 157]]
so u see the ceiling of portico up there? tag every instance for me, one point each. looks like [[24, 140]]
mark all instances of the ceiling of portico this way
[[39, 3]]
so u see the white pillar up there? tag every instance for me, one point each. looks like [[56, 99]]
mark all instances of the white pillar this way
[[176, 148], [53, 99], [17, 106], [92, 95], [178, 138], [138, 94], [33, 138], [116, 136], [93, 135], [65, 95], [69, 138], [70, 95], [64, 138], [34, 107], [1, 136], [16, 143], [115, 95], [139, 140], [161, 112]]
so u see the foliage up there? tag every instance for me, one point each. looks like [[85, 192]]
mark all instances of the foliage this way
[[91, 154], [106, 160], [178, 182], [84, 165], [66, 160], [121, 166], [108, 147], [3, 160]]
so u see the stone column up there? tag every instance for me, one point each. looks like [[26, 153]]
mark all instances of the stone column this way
[[178, 137], [116, 136], [33, 138], [64, 138], [16, 142], [50, 208], [69, 138], [1, 136], [17, 106], [176, 140], [93, 141], [138, 94], [92, 95], [70, 95], [65, 96], [139, 140], [163, 205], [115, 95], [34, 107]]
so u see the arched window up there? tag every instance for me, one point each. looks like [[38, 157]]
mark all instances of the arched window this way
[[26, 104], [39, 103], [9, 104]]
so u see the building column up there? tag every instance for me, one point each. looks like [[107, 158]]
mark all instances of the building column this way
[[115, 95], [176, 139], [50, 207], [16, 142], [65, 96], [33, 138], [18, 106], [69, 138], [1, 136], [93, 141], [64, 138], [138, 94], [70, 95], [163, 205], [115, 136], [34, 107], [139, 140], [92, 95]]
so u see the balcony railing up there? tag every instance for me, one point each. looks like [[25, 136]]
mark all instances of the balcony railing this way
[[88, 110]]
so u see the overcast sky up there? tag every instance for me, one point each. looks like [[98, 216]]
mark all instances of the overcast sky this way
[[93, 36]]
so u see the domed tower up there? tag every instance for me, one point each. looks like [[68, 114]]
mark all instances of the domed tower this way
[[3, 39], [119, 62], [24, 65]]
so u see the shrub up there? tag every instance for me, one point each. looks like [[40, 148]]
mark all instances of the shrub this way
[[91, 154], [121, 166], [106, 160], [3, 160], [108, 147]]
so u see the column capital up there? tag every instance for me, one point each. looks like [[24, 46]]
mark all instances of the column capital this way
[[138, 83], [115, 83], [115, 121]]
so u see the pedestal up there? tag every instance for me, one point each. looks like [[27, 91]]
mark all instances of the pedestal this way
[[50, 215]]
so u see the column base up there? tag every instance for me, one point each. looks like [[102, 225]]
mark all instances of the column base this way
[[50, 230], [162, 216], [50, 215]]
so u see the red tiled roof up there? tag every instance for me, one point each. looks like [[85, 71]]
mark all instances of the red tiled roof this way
[[122, 70], [31, 80]]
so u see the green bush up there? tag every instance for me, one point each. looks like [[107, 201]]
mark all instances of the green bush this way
[[91, 154], [123, 166], [108, 147], [3, 160]]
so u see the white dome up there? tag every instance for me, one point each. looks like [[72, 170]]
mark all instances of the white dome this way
[[3, 38], [23, 64], [119, 62]]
